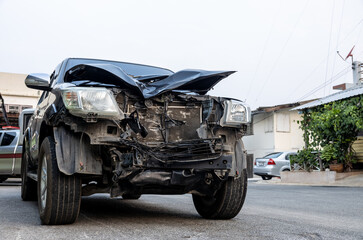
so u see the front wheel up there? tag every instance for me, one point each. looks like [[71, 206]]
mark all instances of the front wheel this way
[[128, 196], [59, 195], [229, 199], [227, 202]]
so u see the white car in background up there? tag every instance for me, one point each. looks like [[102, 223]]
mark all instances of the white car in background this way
[[11, 146], [272, 164]]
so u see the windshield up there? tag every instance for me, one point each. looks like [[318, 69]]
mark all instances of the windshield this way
[[131, 69], [273, 155]]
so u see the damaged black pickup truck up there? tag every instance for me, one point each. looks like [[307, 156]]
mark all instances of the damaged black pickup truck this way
[[129, 129]]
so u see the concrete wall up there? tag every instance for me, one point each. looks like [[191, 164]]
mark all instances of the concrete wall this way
[[14, 90]]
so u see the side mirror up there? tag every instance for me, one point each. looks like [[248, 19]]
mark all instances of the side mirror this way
[[38, 81]]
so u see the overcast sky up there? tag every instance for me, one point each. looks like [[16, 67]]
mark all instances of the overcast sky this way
[[282, 50]]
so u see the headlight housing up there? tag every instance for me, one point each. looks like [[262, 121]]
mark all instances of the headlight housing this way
[[235, 114], [95, 102]]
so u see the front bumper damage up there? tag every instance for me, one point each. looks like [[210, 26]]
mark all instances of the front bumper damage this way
[[198, 165], [165, 142]]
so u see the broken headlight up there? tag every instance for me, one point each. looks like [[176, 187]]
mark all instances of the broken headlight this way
[[96, 102], [235, 113]]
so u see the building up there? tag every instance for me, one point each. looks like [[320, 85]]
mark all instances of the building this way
[[275, 129], [16, 95]]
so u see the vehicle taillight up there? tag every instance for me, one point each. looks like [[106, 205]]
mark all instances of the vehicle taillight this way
[[254, 162], [271, 162]]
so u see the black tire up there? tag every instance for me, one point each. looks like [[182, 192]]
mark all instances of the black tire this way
[[61, 199], [28, 185], [131, 196], [227, 202], [266, 177], [2, 179]]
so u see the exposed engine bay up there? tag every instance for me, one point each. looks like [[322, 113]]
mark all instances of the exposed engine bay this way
[[179, 133]]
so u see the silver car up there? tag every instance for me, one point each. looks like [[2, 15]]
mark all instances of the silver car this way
[[11, 140], [272, 164], [10, 154]]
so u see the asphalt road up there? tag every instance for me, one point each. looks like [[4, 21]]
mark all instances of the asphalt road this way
[[270, 212]]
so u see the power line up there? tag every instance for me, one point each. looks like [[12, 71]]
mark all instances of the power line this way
[[326, 58], [281, 52], [333, 79], [263, 50], [331, 30], [359, 34], [338, 37], [306, 78], [360, 21]]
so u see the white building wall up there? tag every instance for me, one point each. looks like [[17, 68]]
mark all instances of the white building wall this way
[[288, 136], [262, 142], [15, 92], [273, 132]]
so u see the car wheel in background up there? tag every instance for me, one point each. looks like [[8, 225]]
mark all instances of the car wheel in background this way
[[59, 195], [266, 177]]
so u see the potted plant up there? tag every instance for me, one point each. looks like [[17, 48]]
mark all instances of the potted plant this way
[[331, 156]]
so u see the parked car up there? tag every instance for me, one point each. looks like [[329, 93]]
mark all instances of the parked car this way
[[129, 129], [11, 147], [272, 164]]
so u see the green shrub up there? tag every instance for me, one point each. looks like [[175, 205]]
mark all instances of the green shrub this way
[[334, 127], [305, 159], [329, 153]]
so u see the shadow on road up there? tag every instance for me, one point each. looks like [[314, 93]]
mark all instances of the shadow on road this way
[[11, 182], [102, 207]]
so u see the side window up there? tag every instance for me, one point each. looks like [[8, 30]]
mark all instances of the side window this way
[[53, 79], [8, 138], [54, 75]]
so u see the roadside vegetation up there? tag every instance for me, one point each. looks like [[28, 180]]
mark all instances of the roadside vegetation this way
[[329, 132]]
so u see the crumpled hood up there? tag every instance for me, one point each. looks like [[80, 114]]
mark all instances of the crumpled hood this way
[[198, 81]]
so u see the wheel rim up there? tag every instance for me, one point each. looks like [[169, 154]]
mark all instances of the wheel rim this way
[[43, 183]]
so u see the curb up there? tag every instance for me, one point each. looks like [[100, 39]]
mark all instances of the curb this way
[[269, 182]]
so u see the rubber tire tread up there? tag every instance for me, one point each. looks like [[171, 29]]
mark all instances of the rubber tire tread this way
[[63, 191], [28, 185], [227, 202], [131, 196]]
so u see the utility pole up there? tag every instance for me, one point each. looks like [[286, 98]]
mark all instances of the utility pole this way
[[357, 73]]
